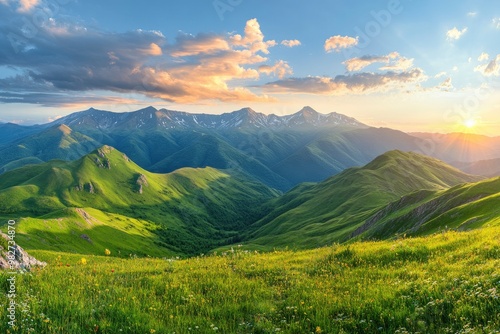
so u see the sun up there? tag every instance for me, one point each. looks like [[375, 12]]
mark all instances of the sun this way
[[470, 123]]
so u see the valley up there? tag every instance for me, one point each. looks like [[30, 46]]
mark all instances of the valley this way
[[249, 223]]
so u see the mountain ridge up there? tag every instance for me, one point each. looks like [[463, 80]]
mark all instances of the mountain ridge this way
[[330, 211], [151, 117]]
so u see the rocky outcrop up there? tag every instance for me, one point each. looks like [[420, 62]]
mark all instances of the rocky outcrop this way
[[104, 150], [15, 257], [89, 187], [141, 182]]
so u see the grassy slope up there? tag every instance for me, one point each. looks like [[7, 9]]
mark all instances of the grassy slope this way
[[462, 207], [194, 209], [58, 142], [445, 283], [332, 210]]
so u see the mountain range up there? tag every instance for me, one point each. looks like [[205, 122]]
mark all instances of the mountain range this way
[[279, 151], [163, 183], [105, 200]]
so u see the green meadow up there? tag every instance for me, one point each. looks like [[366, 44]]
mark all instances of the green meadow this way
[[448, 282]]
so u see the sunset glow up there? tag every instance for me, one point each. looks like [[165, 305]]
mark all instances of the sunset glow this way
[[374, 60]]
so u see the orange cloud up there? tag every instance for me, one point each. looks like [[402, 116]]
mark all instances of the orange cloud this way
[[153, 50], [188, 45], [280, 69], [27, 5], [253, 39], [358, 83], [337, 43], [394, 61]]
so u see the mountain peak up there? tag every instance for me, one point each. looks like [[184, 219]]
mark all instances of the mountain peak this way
[[148, 109], [307, 110]]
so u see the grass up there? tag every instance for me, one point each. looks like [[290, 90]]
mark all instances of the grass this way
[[332, 210], [444, 283], [192, 210]]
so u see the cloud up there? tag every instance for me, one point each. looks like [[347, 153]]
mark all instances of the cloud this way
[[472, 14], [490, 69], [27, 5], [483, 56], [61, 99], [446, 85], [357, 83], [82, 60], [153, 50], [291, 42], [455, 34], [337, 43], [496, 22], [394, 61], [440, 74], [280, 69], [253, 39], [189, 45]]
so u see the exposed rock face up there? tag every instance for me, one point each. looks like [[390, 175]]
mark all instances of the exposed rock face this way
[[86, 237], [104, 150], [22, 260], [89, 187], [141, 182]]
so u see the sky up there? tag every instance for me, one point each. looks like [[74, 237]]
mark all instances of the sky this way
[[411, 65]]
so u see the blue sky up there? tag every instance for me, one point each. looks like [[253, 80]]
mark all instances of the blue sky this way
[[409, 65]]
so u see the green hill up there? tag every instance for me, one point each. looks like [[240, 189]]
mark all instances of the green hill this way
[[463, 207], [331, 211], [188, 211]]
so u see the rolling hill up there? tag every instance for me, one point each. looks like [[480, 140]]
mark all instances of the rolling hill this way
[[314, 215], [104, 197]]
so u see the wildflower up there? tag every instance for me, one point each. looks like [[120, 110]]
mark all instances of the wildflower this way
[[107, 252], [152, 331], [83, 261], [318, 330]]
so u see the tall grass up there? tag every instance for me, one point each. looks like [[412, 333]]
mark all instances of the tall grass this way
[[445, 283]]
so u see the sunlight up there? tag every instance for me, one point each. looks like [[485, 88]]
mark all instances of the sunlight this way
[[470, 123]]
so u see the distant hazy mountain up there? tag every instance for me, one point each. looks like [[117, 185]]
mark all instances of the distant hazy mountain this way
[[488, 168]]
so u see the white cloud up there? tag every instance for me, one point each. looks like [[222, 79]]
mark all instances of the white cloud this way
[[446, 85], [496, 22], [455, 34], [490, 69], [472, 14], [337, 43], [291, 43], [440, 74], [483, 56]]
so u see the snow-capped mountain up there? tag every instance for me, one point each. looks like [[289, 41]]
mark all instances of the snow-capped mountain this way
[[151, 117]]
